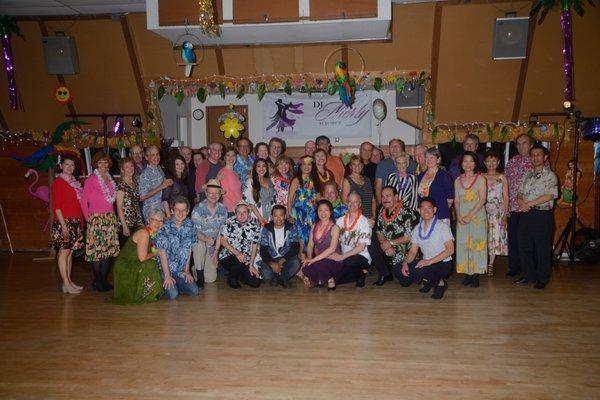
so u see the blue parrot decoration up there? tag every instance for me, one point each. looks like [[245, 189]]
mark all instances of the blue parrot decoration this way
[[345, 89], [189, 57]]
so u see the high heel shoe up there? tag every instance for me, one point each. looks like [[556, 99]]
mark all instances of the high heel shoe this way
[[76, 287], [330, 285], [69, 289]]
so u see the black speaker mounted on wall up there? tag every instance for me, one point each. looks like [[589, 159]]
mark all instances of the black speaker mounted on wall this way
[[411, 96], [510, 38], [60, 54]]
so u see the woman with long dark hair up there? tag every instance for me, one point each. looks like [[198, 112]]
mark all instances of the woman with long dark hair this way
[[303, 197], [260, 193], [178, 173]]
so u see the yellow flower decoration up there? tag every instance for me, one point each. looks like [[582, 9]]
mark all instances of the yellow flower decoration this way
[[231, 127], [230, 85], [469, 195]]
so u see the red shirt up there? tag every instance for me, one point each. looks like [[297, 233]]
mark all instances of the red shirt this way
[[65, 199]]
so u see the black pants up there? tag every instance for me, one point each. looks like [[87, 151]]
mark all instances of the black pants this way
[[432, 274], [535, 244], [239, 272], [352, 270], [514, 260], [377, 256]]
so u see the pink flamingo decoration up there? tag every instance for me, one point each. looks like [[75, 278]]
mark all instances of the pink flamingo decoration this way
[[40, 192]]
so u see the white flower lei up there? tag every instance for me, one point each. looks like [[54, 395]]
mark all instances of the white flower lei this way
[[110, 198]]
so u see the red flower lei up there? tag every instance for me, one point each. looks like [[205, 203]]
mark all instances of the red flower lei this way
[[395, 213], [351, 227], [460, 179]]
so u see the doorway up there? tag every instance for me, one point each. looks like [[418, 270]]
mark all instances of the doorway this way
[[213, 134]]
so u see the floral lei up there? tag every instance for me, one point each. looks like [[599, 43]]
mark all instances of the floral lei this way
[[108, 195], [74, 183], [390, 218], [346, 218]]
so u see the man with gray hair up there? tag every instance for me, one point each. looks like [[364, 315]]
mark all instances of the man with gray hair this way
[[136, 152], [152, 182]]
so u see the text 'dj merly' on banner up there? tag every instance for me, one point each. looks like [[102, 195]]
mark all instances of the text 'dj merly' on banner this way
[[302, 116]]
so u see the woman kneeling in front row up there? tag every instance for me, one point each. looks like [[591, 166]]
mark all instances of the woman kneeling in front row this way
[[436, 242]]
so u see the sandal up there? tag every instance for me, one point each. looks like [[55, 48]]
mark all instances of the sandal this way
[[490, 270]]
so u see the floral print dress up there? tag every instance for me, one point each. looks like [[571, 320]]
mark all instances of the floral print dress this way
[[497, 234], [471, 238], [303, 209]]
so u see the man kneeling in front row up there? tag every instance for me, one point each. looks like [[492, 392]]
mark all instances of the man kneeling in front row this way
[[436, 242], [279, 249]]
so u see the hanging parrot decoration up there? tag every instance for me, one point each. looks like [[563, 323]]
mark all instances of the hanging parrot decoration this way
[[345, 89], [189, 57], [47, 156], [565, 22]]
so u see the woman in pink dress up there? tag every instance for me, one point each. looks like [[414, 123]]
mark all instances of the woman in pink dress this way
[[230, 181]]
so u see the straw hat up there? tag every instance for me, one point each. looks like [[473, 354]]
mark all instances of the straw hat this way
[[213, 183]]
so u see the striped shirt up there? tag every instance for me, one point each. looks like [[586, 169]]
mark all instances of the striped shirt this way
[[366, 195], [406, 187]]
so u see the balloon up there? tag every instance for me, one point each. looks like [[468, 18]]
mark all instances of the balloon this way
[[379, 110], [231, 128]]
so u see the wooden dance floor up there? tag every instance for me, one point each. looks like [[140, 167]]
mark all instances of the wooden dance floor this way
[[494, 342]]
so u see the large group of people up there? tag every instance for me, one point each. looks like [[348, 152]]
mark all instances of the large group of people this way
[[252, 214]]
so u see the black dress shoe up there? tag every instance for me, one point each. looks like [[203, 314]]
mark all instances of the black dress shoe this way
[[539, 285], [382, 280], [274, 281], [360, 281], [285, 284], [512, 274], [475, 281], [439, 291], [234, 284], [521, 282], [467, 281], [426, 288]]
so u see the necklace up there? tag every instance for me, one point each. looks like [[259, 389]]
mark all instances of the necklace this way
[[404, 184], [351, 227], [317, 226], [153, 233], [395, 212], [321, 176], [461, 180], [110, 194], [430, 229], [74, 183]]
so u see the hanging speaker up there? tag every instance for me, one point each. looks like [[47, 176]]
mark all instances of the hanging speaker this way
[[411, 96], [510, 38], [60, 54]]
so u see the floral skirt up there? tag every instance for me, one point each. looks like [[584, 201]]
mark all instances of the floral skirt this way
[[74, 239], [102, 238]]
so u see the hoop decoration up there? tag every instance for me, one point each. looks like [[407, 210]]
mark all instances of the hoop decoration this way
[[345, 86], [184, 52]]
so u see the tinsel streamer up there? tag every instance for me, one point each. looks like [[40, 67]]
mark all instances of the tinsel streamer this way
[[565, 22], [207, 18], [10, 70]]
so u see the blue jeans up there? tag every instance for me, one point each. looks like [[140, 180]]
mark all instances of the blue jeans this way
[[289, 269], [181, 285]]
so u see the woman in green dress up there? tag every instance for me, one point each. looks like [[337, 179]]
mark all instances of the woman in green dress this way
[[471, 221], [136, 274]]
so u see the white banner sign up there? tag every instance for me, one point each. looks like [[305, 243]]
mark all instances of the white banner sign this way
[[300, 116]]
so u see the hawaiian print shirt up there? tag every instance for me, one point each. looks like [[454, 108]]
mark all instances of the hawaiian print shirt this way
[[208, 223], [150, 178], [240, 236], [402, 225], [515, 171], [177, 243], [536, 184], [243, 169]]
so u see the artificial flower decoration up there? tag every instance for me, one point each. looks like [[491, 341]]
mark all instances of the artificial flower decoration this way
[[231, 128]]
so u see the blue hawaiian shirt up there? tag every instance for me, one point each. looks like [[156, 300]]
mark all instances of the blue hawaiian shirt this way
[[207, 223], [243, 169], [177, 243], [150, 178]]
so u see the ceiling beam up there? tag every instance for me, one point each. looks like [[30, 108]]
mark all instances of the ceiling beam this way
[[523, 72], [135, 65], [435, 51]]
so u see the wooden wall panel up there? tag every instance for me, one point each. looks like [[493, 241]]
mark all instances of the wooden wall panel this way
[[265, 11], [177, 12], [25, 215], [342, 9]]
